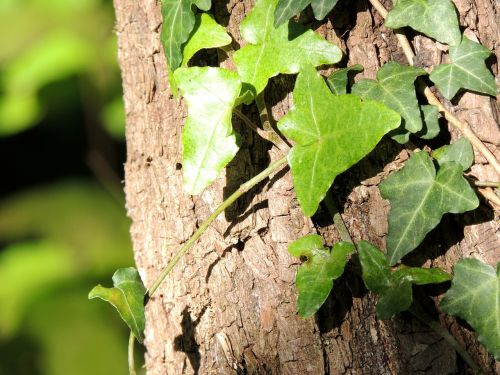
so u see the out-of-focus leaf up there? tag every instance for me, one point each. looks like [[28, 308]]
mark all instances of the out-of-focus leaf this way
[[203, 4], [18, 112], [315, 276], [339, 79], [286, 9], [474, 296], [460, 151], [127, 296], [431, 128], [331, 133], [114, 118]]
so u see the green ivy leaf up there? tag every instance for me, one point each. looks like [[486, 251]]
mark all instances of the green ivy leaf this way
[[272, 51], [127, 297], [435, 18], [466, 71], [286, 9], [461, 151], [474, 296], [419, 198], [395, 88], [393, 288], [204, 5], [431, 128], [339, 80], [331, 133], [178, 22], [208, 140], [316, 275]]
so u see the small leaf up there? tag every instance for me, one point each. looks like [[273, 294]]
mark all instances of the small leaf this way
[[272, 51], [435, 18], [395, 88], [431, 128], [208, 140], [127, 296], [419, 198], [204, 5], [474, 296], [466, 71], [339, 80], [332, 133], [286, 9], [461, 152], [316, 275]]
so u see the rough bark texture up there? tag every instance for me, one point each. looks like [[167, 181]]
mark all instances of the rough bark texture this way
[[229, 306]]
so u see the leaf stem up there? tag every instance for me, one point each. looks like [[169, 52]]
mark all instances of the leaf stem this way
[[267, 135], [131, 360], [204, 226], [493, 184], [338, 222], [266, 123]]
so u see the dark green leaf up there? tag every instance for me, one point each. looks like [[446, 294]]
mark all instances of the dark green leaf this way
[[331, 133], [316, 275], [461, 152], [474, 296], [286, 9], [431, 128], [127, 296], [339, 79], [419, 198]]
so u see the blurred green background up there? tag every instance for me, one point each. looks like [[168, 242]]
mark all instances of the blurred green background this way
[[63, 226]]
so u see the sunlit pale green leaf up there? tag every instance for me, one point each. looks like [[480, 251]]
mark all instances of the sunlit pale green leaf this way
[[271, 51], [460, 151], [466, 71], [474, 296], [419, 198], [395, 88], [430, 127], [208, 139], [435, 18], [316, 275], [127, 296], [331, 133], [113, 116], [394, 289], [286, 9], [339, 80], [203, 4]]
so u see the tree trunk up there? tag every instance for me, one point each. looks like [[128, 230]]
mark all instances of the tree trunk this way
[[230, 305]]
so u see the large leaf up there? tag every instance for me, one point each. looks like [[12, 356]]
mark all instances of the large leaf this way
[[435, 18], [272, 51], [419, 198], [460, 151], [127, 296], [331, 133], [286, 9], [395, 88], [208, 140], [339, 80], [466, 71], [474, 296], [316, 275], [393, 288]]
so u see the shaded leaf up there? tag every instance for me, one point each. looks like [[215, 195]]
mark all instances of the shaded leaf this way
[[208, 140], [460, 151], [203, 4], [127, 296], [331, 133], [286, 9], [272, 51], [466, 71], [431, 127], [316, 275], [339, 80], [419, 198], [435, 18], [395, 88]]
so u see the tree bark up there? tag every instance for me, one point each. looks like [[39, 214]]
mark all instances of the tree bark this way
[[230, 305]]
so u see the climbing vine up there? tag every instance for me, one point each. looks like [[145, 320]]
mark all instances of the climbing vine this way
[[331, 127]]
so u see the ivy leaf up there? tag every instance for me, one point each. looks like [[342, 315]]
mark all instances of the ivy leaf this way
[[286, 9], [204, 5], [461, 151], [208, 140], [466, 71], [178, 22], [474, 296], [339, 79], [272, 51], [331, 133], [395, 88], [127, 297], [393, 288], [435, 18], [431, 128], [419, 198], [316, 275]]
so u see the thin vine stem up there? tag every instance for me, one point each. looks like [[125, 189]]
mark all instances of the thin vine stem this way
[[493, 184], [131, 359], [221, 208]]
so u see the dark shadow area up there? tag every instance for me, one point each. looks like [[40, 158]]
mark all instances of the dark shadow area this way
[[19, 356], [239, 246]]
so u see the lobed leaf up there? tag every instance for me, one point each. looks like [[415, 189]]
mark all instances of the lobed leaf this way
[[419, 198], [208, 140], [474, 296], [339, 80], [286, 9], [430, 129], [127, 297], [316, 275], [460, 151], [466, 71]]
